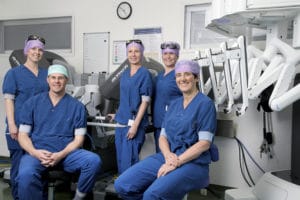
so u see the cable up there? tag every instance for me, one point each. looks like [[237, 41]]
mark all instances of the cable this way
[[246, 166], [242, 160], [250, 156], [241, 166]]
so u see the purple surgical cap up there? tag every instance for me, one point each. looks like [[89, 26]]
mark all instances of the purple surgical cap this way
[[32, 44], [134, 44], [170, 47], [187, 66]]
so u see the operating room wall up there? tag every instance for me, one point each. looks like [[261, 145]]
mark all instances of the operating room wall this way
[[100, 16]]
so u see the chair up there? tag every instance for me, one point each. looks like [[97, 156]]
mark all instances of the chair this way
[[57, 177]]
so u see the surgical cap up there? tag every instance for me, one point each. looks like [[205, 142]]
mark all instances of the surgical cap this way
[[170, 47], [137, 45], [32, 44], [59, 69], [187, 66]]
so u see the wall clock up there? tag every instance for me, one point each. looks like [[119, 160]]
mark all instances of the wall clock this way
[[124, 10]]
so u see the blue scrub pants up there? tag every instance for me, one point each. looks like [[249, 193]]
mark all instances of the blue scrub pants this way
[[16, 153], [30, 173], [141, 182], [128, 150], [156, 138]]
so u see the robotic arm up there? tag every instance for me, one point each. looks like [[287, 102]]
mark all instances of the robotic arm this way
[[264, 70], [218, 86], [205, 87], [243, 67], [230, 83], [282, 67]]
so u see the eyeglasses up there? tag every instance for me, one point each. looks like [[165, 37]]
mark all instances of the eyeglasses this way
[[135, 41], [36, 37], [169, 46]]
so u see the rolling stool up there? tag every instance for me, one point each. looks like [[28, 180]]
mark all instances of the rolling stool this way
[[56, 177]]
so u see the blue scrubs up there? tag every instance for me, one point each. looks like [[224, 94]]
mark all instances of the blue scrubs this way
[[183, 128], [20, 84], [133, 89], [165, 90], [52, 129]]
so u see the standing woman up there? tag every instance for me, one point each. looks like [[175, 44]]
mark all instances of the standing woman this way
[[135, 95], [19, 84], [186, 137], [165, 86]]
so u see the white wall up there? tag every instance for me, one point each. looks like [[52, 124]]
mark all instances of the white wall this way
[[100, 16]]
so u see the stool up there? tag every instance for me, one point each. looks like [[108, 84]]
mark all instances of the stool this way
[[56, 177]]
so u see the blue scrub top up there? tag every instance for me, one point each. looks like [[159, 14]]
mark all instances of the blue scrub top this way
[[132, 88], [53, 127], [185, 127], [166, 90], [23, 84]]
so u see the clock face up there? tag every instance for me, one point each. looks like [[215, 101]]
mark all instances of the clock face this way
[[124, 10]]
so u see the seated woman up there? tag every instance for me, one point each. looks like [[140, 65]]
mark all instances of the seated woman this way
[[186, 136]]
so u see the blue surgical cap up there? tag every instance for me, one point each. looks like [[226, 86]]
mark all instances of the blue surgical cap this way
[[59, 69]]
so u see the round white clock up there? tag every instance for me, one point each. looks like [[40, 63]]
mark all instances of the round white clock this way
[[124, 10]]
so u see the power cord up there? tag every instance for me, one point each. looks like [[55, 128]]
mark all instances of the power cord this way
[[243, 163]]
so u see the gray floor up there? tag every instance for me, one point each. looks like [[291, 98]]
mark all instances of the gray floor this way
[[5, 191]]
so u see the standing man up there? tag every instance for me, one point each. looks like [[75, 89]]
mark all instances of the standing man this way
[[52, 131]]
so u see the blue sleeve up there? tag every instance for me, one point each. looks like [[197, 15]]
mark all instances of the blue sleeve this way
[[26, 113], [9, 83], [147, 85], [81, 119], [208, 122]]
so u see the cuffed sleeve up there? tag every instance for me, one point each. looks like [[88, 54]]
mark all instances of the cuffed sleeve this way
[[25, 128], [80, 131]]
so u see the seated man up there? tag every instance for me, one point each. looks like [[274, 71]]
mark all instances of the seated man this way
[[52, 131]]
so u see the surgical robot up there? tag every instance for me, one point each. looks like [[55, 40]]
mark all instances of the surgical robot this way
[[277, 65]]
